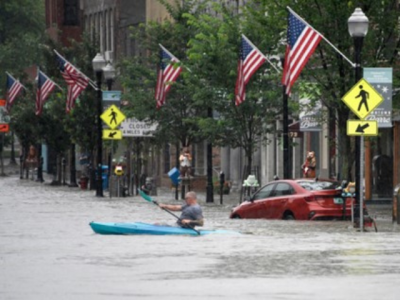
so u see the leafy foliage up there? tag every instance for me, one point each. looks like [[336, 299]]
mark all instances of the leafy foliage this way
[[22, 25]]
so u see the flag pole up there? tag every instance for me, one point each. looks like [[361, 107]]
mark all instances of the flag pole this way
[[94, 85], [247, 40], [326, 40], [169, 53]]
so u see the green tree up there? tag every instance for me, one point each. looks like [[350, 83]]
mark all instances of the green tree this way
[[79, 126], [176, 117], [22, 25], [213, 55]]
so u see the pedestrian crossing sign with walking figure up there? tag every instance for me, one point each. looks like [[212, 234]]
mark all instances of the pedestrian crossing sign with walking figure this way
[[112, 116], [362, 99]]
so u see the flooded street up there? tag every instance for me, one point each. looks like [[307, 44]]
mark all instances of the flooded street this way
[[48, 251]]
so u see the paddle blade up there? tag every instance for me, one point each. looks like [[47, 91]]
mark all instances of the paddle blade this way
[[145, 196]]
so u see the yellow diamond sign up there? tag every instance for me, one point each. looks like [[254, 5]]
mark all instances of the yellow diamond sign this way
[[362, 128], [112, 116], [112, 134], [362, 99]]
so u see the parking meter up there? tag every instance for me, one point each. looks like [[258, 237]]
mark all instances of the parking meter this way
[[221, 185]]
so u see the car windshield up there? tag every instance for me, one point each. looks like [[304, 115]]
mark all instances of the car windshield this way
[[318, 185]]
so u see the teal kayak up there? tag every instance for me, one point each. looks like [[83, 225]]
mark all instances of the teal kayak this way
[[144, 228]]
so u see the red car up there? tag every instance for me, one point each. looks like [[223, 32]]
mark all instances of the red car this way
[[297, 199]]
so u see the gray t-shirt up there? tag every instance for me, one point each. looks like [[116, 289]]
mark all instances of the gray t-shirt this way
[[191, 212]]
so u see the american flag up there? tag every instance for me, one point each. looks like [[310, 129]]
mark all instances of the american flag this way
[[14, 87], [301, 43], [250, 60], [45, 87], [75, 80], [167, 73]]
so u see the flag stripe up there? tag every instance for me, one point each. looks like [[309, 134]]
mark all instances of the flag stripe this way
[[166, 75], [75, 80], [45, 87], [250, 61], [14, 87], [302, 41]]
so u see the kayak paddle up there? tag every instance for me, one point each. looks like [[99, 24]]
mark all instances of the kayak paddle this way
[[149, 199]]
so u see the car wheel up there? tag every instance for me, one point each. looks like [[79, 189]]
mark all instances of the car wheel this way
[[288, 216]]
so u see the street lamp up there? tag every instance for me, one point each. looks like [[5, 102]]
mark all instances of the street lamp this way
[[358, 28], [99, 63], [109, 75]]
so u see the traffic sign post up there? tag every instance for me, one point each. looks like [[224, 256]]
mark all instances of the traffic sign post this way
[[362, 99], [113, 117]]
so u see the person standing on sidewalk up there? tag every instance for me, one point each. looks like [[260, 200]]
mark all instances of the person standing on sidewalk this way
[[192, 214]]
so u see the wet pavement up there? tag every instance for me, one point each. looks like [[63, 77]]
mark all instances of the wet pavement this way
[[48, 251]]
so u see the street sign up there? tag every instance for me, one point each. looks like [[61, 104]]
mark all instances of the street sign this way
[[362, 128], [110, 98], [132, 127], [112, 116], [4, 127], [382, 81], [4, 117], [112, 134], [362, 99]]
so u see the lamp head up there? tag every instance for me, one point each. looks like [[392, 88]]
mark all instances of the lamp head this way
[[358, 23], [98, 62], [109, 72]]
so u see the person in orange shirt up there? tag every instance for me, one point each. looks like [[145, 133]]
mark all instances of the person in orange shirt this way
[[309, 165]]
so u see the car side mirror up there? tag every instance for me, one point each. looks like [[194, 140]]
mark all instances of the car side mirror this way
[[248, 199]]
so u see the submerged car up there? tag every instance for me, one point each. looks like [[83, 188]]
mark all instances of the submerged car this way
[[297, 199]]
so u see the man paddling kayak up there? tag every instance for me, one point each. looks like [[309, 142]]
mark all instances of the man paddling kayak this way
[[192, 214]]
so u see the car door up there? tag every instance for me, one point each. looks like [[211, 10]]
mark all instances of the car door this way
[[257, 208], [276, 204]]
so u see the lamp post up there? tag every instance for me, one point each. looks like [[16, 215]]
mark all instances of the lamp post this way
[[286, 158], [109, 76], [99, 63], [209, 187], [358, 28]]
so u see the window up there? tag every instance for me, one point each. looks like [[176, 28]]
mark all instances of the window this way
[[71, 12], [283, 189], [265, 192]]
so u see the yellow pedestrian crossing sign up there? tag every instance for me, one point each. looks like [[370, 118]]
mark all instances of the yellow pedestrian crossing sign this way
[[362, 128], [362, 99], [112, 134], [112, 116]]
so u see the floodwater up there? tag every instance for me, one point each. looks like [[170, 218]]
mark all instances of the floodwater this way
[[48, 251]]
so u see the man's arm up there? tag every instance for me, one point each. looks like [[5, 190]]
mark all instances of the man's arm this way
[[171, 207]]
